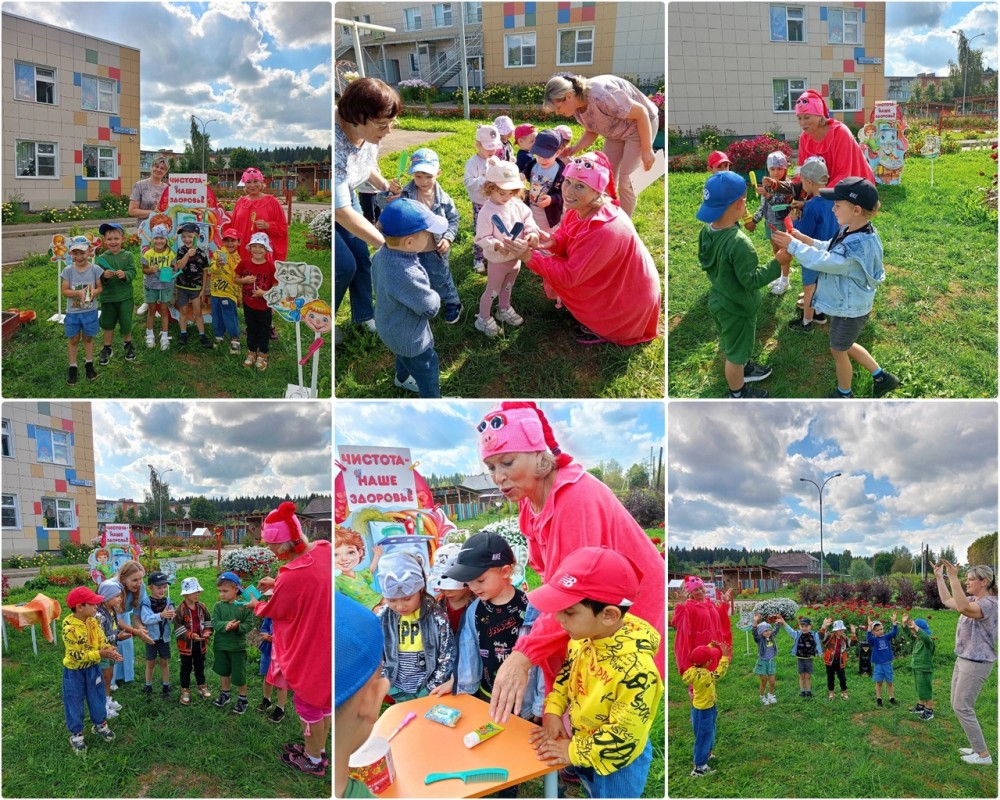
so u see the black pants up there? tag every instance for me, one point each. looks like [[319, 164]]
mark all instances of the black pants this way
[[197, 660], [835, 669], [258, 329]]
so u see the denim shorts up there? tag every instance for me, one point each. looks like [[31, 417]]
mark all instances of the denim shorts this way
[[883, 672], [186, 296], [158, 295], [82, 321], [844, 331], [809, 276], [765, 666]]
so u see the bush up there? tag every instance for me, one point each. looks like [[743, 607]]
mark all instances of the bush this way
[[321, 228], [808, 593], [253, 562], [781, 605], [416, 90], [688, 162], [37, 584], [6, 589], [709, 136], [13, 209], [76, 552], [302, 194], [114, 205], [907, 595], [645, 505], [749, 155], [930, 595], [881, 592]]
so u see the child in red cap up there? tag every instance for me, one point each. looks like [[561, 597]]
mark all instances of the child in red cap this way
[[706, 670], [609, 685]]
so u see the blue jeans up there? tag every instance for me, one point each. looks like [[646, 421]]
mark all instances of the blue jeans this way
[[703, 723], [79, 685], [225, 319], [353, 271], [439, 273], [424, 370], [628, 781]]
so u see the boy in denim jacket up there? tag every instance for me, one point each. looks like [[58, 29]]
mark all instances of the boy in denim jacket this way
[[851, 268]]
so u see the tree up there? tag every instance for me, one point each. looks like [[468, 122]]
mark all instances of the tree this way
[[967, 73], [903, 564], [882, 563], [860, 571], [203, 509], [159, 493], [198, 150], [931, 95], [613, 478], [845, 562], [241, 158], [638, 477], [948, 554], [597, 472], [983, 551], [130, 515], [119, 514]]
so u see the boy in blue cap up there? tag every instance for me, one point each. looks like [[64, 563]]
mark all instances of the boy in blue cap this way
[[231, 623], [404, 299], [117, 298], [922, 661], [728, 257]]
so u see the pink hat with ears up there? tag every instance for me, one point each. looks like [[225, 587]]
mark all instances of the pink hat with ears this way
[[518, 427], [692, 582], [811, 102], [252, 174], [589, 171]]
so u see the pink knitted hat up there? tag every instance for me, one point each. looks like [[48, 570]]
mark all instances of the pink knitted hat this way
[[252, 174], [281, 525], [693, 582], [517, 427], [590, 172], [811, 102]]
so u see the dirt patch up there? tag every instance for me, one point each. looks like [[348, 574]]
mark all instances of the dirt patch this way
[[181, 781]]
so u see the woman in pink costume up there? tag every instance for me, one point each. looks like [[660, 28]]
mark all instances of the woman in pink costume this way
[[829, 138], [300, 608], [258, 212], [562, 508], [698, 621]]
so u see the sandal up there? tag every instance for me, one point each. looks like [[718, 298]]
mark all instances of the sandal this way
[[185, 697], [262, 362], [205, 692], [251, 359]]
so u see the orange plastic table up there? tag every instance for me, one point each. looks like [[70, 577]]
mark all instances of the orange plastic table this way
[[423, 747]]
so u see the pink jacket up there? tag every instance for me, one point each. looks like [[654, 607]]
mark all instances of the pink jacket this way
[[841, 152], [510, 213], [580, 511]]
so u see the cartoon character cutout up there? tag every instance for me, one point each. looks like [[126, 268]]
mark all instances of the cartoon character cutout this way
[[297, 285], [317, 316], [350, 578], [884, 145], [103, 569]]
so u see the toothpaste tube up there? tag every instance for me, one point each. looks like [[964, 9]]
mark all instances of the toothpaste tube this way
[[479, 735]]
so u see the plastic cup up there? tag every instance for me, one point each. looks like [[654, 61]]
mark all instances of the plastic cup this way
[[372, 764]]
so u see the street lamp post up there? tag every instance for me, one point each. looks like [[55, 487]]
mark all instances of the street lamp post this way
[[159, 482], [965, 65], [819, 488], [204, 125]]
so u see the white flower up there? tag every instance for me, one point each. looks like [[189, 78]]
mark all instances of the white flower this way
[[321, 228]]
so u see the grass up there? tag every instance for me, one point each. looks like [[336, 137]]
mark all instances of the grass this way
[[35, 360], [819, 748], [540, 359], [935, 318], [162, 749]]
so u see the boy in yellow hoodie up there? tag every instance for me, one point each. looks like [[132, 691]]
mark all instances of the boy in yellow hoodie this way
[[703, 677], [609, 683]]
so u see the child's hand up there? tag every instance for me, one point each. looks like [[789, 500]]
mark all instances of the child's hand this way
[[394, 187], [122, 636], [553, 726], [532, 239], [120, 274], [142, 634], [167, 614], [232, 625], [543, 201], [783, 257], [502, 248], [443, 246], [756, 618], [781, 238], [906, 618], [715, 644], [853, 628], [767, 183], [780, 619], [893, 618], [443, 689], [553, 751], [751, 226], [544, 239], [266, 637]]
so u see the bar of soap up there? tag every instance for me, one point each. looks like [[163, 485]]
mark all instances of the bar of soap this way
[[444, 714]]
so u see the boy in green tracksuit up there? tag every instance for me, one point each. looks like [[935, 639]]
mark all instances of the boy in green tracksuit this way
[[728, 257], [230, 624], [116, 299], [922, 662]]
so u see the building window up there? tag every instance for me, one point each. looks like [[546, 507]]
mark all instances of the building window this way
[[11, 517], [99, 94], [53, 447], [8, 439], [845, 95], [786, 92], [35, 159], [788, 24], [100, 162], [473, 13], [57, 513], [520, 49], [362, 18], [411, 19], [34, 84], [414, 64], [442, 15], [845, 26], [576, 46]]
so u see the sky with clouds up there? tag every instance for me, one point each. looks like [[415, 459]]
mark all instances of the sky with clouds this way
[[911, 473], [443, 436], [919, 38], [215, 449], [261, 70]]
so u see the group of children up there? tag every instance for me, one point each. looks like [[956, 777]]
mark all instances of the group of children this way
[[189, 278], [456, 643], [875, 659], [91, 632], [831, 236]]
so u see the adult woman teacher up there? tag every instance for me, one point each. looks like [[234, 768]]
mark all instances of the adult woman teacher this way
[[300, 607], [975, 647], [599, 268], [611, 107], [363, 118], [129, 577], [562, 508], [259, 212], [146, 194], [829, 138], [699, 621]]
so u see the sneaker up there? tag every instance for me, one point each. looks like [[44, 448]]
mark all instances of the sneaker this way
[[182, 338], [919, 708], [569, 775], [234, 346], [927, 714], [114, 687], [207, 343], [150, 340], [699, 772], [261, 361], [892, 701], [277, 715], [799, 324], [802, 693], [751, 393], [142, 309], [104, 732], [975, 758], [772, 699], [109, 712], [112, 703], [756, 372], [452, 312], [809, 693], [129, 351], [164, 340], [843, 696], [884, 386], [265, 704], [763, 700], [878, 701], [479, 266], [71, 377], [831, 696], [218, 341], [297, 748], [185, 697], [409, 384], [222, 700], [966, 751], [91, 372], [303, 764], [241, 705], [586, 336], [77, 743], [369, 325], [838, 395], [147, 691], [488, 326], [819, 318], [779, 286], [509, 316], [165, 691]]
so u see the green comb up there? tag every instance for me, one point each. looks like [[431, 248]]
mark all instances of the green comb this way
[[404, 159], [471, 775]]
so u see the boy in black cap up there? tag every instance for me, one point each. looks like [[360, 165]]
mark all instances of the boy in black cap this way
[[156, 611], [850, 267], [116, 299], [192, 282]]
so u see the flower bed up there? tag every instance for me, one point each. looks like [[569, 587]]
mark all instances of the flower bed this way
[[249, 562]]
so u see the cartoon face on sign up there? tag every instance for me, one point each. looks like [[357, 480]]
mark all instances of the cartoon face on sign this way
[[317, 316], [298, 285]]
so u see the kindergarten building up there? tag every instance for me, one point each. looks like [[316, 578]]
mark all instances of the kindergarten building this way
[[48, 477], [742, 66], [70, 115]]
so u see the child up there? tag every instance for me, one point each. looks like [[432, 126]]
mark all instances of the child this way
[[835, 647], [231, 624], [107, 618], [851, 267], [524, 135], [805, 646], [818, 222], [419, 649], [487, 143], [503, 191], [156, 612], [922, 662], [117, 297], [454, 596], [546, 178], [257, 276], [424, 188], [85, 647], [505, 127], [881, 643], [225, 294], [273, 679], [192, 283], [718, 162], [763, 635], [609, 684], [404, 299], [565, 140], [193, 627], [728, 257], [777, 169], [159, 295], [358, 584], [81, 286], [702, 678]]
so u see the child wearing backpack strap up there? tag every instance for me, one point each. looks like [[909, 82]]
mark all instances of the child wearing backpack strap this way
[[835, 647], [805, 646]]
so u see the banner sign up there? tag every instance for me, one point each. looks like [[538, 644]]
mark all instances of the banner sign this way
[[188, 189], [379, 476]]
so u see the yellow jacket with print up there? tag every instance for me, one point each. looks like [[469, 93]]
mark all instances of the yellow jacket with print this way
[[612, 690], [703, 681], [83, 639]]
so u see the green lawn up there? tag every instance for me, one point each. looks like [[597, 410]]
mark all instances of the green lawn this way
[[822, 748], [35, 359], [161, 749], [935, 317], [539, 359]]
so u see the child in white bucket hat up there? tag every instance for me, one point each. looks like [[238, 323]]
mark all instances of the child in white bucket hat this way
[[193, 626]]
